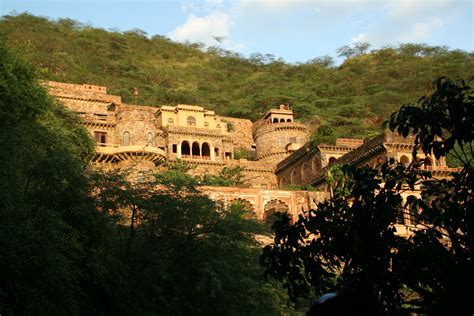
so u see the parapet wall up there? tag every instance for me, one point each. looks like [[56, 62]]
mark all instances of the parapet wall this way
[[83, 91]]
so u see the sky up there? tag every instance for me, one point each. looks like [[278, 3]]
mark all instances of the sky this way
[[295, 30]]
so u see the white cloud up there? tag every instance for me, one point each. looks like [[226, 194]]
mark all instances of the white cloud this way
[[361, 37], [214, 2], [421, 31], [247, 24], [203, 29]]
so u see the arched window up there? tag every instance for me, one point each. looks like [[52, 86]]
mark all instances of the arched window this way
[[149, 139], [288, 120], [405, 160], [170, 121], [305, 171], [271, 208], [206, 151], [332, 160], [294, 175], [282, 120], [428, 163], [196, 150], [315, 164], [126, 139], [185, 149], [275, 120], [191, 121], [245, 206]]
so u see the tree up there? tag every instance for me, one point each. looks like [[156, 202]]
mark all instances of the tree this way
[[187, 254], [349, 243], [53, 254]]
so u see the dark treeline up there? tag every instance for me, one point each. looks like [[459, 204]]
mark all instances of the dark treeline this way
[[348, 100], [78, 242]]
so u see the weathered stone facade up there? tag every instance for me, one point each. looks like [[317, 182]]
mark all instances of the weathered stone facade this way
[[144, 137]]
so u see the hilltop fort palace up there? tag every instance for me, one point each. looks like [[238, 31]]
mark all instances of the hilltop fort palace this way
[[277, 153]]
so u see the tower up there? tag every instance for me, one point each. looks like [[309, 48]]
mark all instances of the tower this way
[[277, 135]]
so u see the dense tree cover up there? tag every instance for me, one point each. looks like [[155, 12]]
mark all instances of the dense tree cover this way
[[349, 100], [349, 243], [51, 238], [186, 255], [73, 241]]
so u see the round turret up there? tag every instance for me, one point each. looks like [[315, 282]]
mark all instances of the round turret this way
[[277, 135]]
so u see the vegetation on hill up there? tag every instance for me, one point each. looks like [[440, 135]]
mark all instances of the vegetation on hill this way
[[349, 100]]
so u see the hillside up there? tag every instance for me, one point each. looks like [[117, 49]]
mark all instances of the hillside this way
[[349, 100]]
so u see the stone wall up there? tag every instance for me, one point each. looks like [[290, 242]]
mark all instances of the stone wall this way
[[241, 132], [278, 138], [138, 122], [263, 201]]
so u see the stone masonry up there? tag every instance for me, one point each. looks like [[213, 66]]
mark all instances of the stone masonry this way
[[145, 137]]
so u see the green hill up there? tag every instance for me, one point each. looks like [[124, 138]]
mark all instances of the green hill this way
[[350, 100]]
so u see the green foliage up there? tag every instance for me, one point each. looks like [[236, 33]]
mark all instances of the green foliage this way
[[75, 242], [229, 176], [54, 246], [364, 90], [185, 254], [242, 153], [349, 243]]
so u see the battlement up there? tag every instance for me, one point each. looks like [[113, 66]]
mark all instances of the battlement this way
[[68, 87], [81, 92]]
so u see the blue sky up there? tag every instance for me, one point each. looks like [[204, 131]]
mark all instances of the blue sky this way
[[295, 30]]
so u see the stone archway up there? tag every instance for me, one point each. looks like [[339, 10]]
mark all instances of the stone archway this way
[[272, 207], [405, 160], [196, 152], [428, 163], [294, 177], [185, 149], [305, 171], [206, 151], [245, 205]]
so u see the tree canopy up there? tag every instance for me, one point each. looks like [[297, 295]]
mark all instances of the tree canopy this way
[[350, 244]]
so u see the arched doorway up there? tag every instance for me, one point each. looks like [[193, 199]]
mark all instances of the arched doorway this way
[[272, 207], [185, 150], [196, 152], [314, 165], [245, 206], [305, 171], [206, 151], [405, 160], [428, 163], [294, 177], [332, 160]]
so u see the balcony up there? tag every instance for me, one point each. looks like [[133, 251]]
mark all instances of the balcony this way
[[113, 153]]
